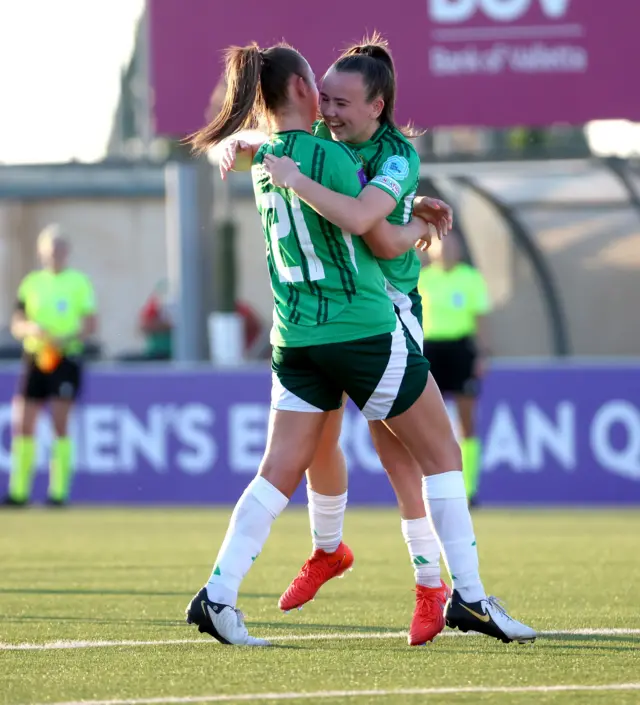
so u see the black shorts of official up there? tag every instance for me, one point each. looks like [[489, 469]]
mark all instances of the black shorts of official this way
[[65, 382], [453, 364]]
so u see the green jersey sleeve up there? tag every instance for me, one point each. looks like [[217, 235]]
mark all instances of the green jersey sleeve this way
[[398, 174]]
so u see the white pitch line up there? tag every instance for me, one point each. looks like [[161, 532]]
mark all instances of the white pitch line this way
[[328, 636], [324, 694]]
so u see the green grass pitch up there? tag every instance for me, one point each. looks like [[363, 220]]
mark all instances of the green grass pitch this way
[[125, 575]]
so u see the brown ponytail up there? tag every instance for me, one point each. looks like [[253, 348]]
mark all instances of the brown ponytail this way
[[256, 87], [243, 66]]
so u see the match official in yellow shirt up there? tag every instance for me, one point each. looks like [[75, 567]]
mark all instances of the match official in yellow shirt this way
[[455, 305], [55, 313]]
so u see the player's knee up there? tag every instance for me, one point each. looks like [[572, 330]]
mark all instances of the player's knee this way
[[398, 469], [284, 469], [25, 415], [447, 456]]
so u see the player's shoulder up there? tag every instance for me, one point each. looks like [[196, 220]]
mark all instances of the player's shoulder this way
[[469, 272], [35, 278], [399, 155], [429, 271], [341, 151], [321, 130], [77, 277], [32, 276], [328, 158], [262, 150]]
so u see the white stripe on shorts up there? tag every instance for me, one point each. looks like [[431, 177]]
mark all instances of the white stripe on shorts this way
[[385, 394], [284, 400], [404, 305]]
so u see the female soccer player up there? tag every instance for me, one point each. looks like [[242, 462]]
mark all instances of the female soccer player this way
[[363, 75], [335, 331], [55, 313], [357, 99], [357, 103]]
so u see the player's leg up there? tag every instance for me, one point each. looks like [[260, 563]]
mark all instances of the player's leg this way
[[66, 382], [327, 486], [327, 491], [444, 490], [404, 472], [395, 386], [26, 406], [405, 475], [466, 387], [327, 497], [300, 400]]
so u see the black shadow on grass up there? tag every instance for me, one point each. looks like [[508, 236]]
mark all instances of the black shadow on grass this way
[[590, 647], [89, 620], [568, 636], [288, 626], [142, 593]]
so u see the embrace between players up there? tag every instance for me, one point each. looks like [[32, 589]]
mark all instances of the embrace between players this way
[[341, 240]]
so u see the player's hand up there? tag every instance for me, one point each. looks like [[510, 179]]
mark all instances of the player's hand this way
[[62, 342], [230, 155], [424, 243], [436, 223], [436, 212], [480, 367], [283, 170], [39, 332]]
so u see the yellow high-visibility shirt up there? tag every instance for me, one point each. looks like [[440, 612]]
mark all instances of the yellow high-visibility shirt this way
[[58, 302], [451, 301]]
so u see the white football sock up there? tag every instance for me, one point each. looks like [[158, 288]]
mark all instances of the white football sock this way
[[248, 531], [326, 516], [446, 498], [424, 551]]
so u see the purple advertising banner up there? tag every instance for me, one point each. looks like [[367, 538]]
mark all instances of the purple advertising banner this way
[[460, 62], [551, 435]]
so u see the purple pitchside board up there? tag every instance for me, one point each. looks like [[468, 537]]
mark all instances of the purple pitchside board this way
[[551, 434], [460, 62]]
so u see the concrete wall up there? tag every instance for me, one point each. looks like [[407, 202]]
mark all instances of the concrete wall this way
[[593, 254], [579, 216], [120, 244]]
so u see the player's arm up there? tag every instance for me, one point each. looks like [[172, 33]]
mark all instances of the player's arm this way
[[388, 241], [481, 309], [482, 335], [434, 211], [238, 154], [89, 322], [21, 327], [89, 326], [356, 215]]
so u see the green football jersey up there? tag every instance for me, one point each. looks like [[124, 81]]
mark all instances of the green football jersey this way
[[393, 165], [327, 286]]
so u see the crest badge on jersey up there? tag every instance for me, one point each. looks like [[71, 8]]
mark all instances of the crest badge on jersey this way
[[396, 167], [61, 305]]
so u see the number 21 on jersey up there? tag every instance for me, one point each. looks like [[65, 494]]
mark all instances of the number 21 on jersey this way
[[283, 227]]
